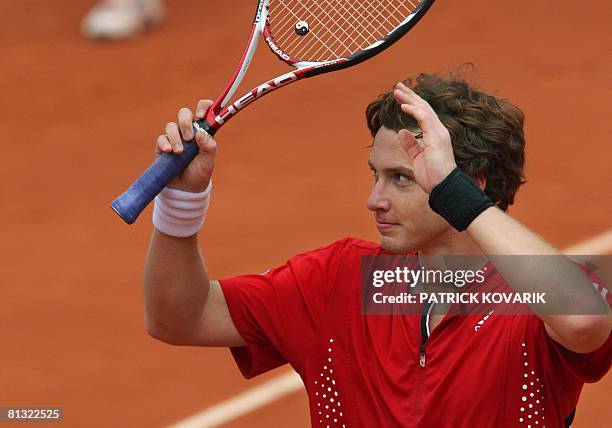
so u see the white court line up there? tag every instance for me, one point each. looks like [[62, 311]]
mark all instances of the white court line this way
[[285, 384], [599, 245], [243, 403]]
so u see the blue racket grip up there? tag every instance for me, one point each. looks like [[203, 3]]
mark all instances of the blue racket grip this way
[[166, 166]]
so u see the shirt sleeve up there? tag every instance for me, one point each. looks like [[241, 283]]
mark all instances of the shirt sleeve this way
[[589, 367], [279, 311]]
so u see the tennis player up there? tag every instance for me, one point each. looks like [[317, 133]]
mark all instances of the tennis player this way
[[447, 160]]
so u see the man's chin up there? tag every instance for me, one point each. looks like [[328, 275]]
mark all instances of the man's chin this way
[[392, 245]]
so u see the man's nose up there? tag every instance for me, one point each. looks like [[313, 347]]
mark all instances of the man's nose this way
[[377, 199]]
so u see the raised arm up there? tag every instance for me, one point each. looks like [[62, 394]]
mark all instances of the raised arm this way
[[182, 305], [585, 324]]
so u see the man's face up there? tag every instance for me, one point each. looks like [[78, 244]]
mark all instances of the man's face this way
[[400, 206]]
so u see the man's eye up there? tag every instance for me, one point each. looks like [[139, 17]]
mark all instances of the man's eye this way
[[401, 177]]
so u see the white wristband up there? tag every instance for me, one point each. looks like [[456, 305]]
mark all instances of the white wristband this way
[[180, 213]]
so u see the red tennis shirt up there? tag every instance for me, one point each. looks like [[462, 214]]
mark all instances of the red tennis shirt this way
[[368, 371]]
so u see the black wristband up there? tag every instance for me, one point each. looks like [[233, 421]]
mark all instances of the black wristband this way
[[458, 199]]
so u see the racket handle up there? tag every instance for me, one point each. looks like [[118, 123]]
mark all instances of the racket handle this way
[[166, 166]]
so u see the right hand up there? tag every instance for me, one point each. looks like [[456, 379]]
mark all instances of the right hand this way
[[196, 176]]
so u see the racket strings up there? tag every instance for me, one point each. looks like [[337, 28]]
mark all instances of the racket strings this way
[[335, 28], [329, 46]]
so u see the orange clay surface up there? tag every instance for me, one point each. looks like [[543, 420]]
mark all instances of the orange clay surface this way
[[78, 121]]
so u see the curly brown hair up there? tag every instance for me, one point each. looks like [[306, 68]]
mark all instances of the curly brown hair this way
[[486, 132]]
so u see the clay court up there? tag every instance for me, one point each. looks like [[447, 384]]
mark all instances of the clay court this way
[[79, 120]]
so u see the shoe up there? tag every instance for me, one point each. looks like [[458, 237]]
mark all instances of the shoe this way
[[119, 21]]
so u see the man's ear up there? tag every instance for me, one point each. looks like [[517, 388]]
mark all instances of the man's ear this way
[[481, 182]]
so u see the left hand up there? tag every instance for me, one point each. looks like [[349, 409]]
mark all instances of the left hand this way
[[432, 155]]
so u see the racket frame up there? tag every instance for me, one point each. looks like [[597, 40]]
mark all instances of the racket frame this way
[[134, 200], [220, 112]]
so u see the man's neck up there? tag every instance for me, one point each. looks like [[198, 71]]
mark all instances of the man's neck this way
[[449, 243]]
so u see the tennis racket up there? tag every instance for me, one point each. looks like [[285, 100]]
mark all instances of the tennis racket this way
[[313, 37]]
